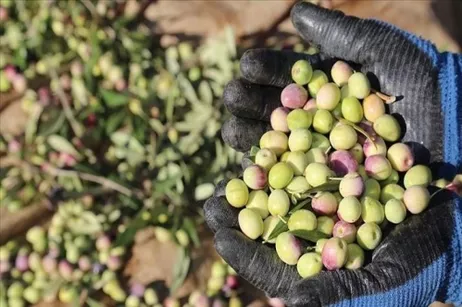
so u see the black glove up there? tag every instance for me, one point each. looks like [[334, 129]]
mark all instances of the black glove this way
[[420, 261]]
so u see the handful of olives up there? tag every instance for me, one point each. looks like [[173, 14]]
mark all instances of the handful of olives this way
[[330, 175]]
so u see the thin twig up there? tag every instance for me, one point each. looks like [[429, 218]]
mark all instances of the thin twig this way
[[54, 171], [65, 103], [89, 177]]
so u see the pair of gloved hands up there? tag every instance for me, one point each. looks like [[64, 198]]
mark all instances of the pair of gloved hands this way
[[420, 261]]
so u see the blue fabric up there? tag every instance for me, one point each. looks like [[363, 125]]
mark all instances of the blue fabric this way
[[442, 280]]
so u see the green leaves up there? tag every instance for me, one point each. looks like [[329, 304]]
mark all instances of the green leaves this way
[[113, 99], [312, 236]]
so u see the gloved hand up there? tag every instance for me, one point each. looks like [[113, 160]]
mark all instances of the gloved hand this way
[[420, 261]]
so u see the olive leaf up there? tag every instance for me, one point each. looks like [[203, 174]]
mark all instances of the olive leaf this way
[[312, 236], [280, 228], [60, 144], [181, 270]]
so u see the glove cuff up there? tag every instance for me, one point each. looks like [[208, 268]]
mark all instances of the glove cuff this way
[[450, 80]]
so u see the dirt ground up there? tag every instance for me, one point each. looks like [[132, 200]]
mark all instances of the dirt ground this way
[[200, 19]]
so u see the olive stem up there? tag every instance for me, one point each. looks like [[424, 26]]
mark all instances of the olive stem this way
[[356, 127], [282, 219], [335, 178], [387, 99], [437, 191], [327, 150]]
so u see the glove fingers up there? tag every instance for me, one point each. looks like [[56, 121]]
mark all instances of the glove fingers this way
[[272, 67], [338, 35], [241, 133], [255, 262], [250, 100], [219, 214]]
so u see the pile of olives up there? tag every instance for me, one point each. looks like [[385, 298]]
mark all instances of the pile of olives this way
[[330, 175]]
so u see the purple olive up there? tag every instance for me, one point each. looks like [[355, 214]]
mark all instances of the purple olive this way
[[342, 162]]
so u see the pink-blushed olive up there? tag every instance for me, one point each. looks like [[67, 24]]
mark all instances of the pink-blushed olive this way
[[372, 188], [288, 248], [320, 245], [395, 211], [456, 185], [316, 155], [250, 223], [334, 254], [378, 167], [341, 72], [311, 106], [391, 191], [298, 185], [416, 199], [268, 226], [323, 121], [276, 141], [328, 97], [302, 220], [278, 203], [352, 109], [351, 185], [400, 156], [279, 119], [372, 210], [418, 175], [342, 162], [325, 225], [318, 79], [255, 177], [377, 147], [294, 96], [392, 179], [343, 137], [369, 236], [317, 174], [265, 158], [345, 231], [373, 107], [349, 209], [324, 203], [355, 257], [280, 175], [359, 85], [300, 140], [309, 265], [258, 201], [299, 119], [357, 153], [237, 193], [388, 128], [301, 72]]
